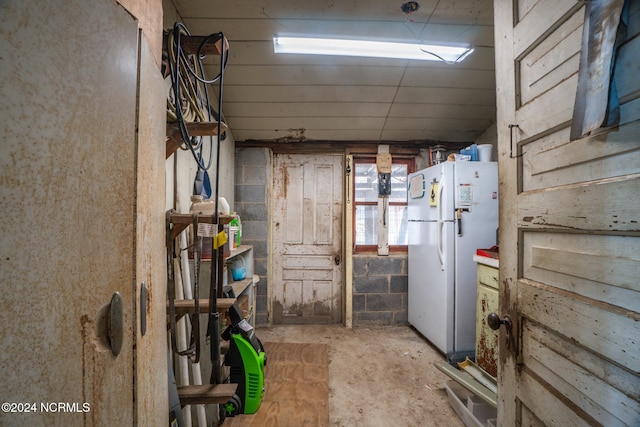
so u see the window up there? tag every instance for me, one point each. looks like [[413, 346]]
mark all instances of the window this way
[[366, 202]]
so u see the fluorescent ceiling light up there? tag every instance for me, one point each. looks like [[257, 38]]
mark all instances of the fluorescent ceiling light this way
[[375, 49]]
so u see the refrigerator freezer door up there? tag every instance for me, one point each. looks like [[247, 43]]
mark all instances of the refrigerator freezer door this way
[[436, 203], [431, 288]]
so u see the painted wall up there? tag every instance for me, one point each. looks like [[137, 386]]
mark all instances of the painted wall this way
[[181, 171], [490, 136]]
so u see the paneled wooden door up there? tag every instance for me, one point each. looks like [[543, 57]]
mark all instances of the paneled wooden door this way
[[569, 225], [307, 239]]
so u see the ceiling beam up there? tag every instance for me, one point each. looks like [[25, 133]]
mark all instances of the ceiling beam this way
[[288, 145]]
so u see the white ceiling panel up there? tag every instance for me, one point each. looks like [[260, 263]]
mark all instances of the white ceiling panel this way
[[248, 94], [303, 97], [446, 95], [358, 75], [308, 109], [441, 111]]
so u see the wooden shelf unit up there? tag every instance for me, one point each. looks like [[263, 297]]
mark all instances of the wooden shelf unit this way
[[205, 394], [216, 44]]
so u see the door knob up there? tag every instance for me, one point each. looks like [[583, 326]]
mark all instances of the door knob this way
[[494, 321], [336, 259]]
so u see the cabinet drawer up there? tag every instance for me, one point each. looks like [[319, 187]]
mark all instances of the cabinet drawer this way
[[488, 276]]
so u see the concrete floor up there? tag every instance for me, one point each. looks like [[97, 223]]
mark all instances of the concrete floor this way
[[379, 376]]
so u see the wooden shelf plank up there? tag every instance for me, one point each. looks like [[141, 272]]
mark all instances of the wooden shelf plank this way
[[182, 221], [178, 218], [190, 45], [205, 128], [173, 141], [207, 394], [174, 138], [240, 285], [237, 251], [186, 306]]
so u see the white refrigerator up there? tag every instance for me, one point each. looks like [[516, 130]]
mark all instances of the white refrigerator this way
[[453, 210]]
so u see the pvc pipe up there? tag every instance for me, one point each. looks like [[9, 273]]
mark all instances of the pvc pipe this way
[[188, 294], [181, 340]]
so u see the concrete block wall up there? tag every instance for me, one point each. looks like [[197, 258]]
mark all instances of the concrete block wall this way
[[252, 184], [380, 286]]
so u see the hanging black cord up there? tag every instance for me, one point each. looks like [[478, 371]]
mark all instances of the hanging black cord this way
[[195, 145], [200, 56], [224, 57], [220, 85], [207, 102], [178, 30], [213, 326], [174, 71]]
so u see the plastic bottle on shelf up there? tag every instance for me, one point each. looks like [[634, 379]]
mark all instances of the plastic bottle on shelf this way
[[235, 228], [223, 206], [206, 207], [238, 269], [239, 230]]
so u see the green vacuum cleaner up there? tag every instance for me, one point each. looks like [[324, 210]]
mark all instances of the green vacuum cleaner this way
[[246, 360]]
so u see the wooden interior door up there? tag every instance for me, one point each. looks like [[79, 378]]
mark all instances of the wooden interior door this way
[[569, 228], [307, 239]]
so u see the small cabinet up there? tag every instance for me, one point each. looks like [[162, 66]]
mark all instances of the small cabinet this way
[[487, 302]]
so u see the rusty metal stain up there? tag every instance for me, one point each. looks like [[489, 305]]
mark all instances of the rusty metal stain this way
[[487, 348], [284, 173]]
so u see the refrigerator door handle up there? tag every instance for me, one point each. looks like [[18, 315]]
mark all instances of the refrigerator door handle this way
[[439, 225], [440, 251]]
